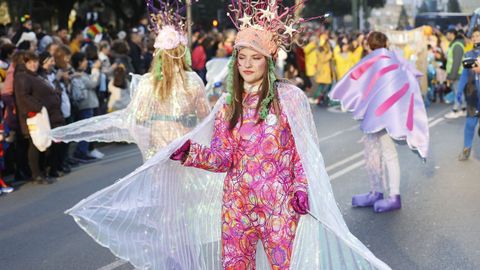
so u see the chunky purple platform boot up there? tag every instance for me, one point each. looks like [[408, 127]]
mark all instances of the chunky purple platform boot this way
[[367, 199], [390, 204]]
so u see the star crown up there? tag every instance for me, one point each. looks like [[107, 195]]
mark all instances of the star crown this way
[[270, 16]]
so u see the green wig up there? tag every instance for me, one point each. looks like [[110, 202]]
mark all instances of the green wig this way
[[188, 56], [158, 68]]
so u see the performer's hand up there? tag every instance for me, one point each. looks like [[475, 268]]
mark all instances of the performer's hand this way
[[299, 202], [182, 152]]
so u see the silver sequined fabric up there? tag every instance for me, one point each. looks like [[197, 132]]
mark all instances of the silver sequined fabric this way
[[147, 121]]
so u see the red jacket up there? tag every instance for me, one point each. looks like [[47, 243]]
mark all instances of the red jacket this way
[[199, 58]]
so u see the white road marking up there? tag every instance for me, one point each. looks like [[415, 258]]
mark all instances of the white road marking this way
[[338, 174], [346, 170], [113, 265], [432, 120], [435, 122], [341, 162], [335, 134]]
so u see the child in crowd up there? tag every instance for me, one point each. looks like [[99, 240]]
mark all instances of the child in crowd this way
[[292, 74], [118, 90], [5, 139]]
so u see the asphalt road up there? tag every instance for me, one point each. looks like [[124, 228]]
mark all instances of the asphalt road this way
[[437, 227]]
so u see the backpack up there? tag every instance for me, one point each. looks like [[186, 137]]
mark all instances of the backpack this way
[[79, 90]]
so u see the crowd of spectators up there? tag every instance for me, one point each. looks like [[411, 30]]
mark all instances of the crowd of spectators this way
[[74, 76], [81, 74], [328, 55]]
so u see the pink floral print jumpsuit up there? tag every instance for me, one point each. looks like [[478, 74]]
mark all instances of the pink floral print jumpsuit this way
[[263, 172]]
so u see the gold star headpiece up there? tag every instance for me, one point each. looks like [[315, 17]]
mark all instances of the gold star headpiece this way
[[266, 25]]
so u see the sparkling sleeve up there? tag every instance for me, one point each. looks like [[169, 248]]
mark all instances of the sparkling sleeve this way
[[112, 127], [217, 157], [148, 121], [300, 182], [201, 101]]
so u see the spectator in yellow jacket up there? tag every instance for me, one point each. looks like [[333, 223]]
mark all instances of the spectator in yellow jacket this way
[[76, 42], [358, 48], [344, 58], [311, 58], [323, 76]]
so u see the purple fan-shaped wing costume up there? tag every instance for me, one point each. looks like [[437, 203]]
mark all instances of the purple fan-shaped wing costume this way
[[382, 90]]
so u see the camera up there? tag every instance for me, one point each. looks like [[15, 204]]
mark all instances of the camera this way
[[469, 63]]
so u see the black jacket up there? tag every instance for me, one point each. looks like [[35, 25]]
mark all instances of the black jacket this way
[[32, 92], [137, 58]]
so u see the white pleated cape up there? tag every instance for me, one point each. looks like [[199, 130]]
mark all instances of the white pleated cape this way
[[166, 216], [147, 121]]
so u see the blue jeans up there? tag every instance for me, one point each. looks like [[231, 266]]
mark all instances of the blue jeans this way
[[82, 147], [458, 104], [462, 82], [469, 131]]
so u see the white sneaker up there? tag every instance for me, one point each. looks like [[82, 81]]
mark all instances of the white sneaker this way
[[312, 101], [96, 154], [7, 190], [453, 114], [462, 113]]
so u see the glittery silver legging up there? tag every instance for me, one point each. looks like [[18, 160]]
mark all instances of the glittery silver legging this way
[[380, 154]]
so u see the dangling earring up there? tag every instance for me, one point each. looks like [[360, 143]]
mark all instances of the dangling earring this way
[[265, 105], [230, 78]]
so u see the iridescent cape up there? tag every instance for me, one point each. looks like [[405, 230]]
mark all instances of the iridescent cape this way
[[382, 90], [167, 216], [147, 121]]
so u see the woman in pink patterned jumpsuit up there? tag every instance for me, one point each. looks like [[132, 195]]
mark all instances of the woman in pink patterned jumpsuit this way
[[265, 189]]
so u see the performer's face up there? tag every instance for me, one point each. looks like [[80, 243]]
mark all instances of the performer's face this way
[[252, 65], [476, 36]]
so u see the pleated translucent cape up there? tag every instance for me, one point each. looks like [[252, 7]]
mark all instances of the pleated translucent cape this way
[[217, 71], [149, 122], [166, 216]]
